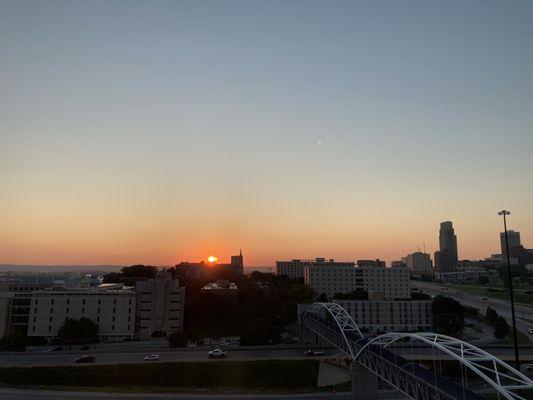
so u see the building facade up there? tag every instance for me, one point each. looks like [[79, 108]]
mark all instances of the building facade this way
[[446, 259], [111, 308], [419, 263], [513, 237], [294, 269], [387, 316], [160, 306], [380, 282]]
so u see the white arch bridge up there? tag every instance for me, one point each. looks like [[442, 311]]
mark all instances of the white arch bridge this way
[[477, 371]]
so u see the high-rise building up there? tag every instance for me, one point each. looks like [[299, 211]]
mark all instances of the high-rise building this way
[[419, 263], [446, 259], [514, 240], [237, 263], [160, 306], [379, 282], [294, 269]]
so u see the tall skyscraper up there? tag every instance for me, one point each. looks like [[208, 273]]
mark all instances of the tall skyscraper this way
[[446, 259], [514, 240]]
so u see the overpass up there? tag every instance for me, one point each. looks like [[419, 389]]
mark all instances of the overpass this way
[[477, 373]]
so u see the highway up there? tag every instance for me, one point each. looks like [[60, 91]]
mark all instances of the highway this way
[[186, 355], [502, 307], [32, 394]]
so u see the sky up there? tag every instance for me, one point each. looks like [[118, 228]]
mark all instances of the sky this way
[[163, 131]]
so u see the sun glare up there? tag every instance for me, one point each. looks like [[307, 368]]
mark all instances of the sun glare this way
[[212, 259]]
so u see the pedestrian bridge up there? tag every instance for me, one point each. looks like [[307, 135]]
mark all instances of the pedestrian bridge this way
[[475, 375]]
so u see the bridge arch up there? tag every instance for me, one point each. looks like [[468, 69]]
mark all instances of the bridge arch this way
[[342, 319], [501, 376]]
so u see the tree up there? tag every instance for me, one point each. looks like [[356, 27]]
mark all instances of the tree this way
[[448, 315], [76, 331], [322, 298], [501, 328], [484, 280], [491, 315], [260, 331], [177, 339], [14, 342]]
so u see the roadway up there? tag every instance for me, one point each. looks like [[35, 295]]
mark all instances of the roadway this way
[[32, 359], [36, 359], [502, 307], [33, 394]]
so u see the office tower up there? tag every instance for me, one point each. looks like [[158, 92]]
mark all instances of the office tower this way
[[419, 263], [514, 240], [237, 263], [446, 259]]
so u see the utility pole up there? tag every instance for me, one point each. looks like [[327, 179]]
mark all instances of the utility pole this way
[[510, 277]]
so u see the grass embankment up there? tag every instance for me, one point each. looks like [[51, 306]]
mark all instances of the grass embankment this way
[[226, 376], [499, 293]]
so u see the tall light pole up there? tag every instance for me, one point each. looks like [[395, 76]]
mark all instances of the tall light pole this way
[[504, 213]]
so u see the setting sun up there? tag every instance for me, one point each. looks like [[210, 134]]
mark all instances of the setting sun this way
[[212, 259]]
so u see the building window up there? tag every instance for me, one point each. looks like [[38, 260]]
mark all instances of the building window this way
[[99, 301], [83, 310], [114, 310], [52, 301], [83, 302], [114, 301], [51, 311], [49, 328]]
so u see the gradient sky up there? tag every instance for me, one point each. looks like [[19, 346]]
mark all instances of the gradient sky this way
[[162, 131]]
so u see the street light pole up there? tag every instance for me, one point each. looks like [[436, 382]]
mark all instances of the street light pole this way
[[510, 277]]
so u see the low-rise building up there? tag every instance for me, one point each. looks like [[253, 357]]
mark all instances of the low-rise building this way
[[112, 308], [387, 316]]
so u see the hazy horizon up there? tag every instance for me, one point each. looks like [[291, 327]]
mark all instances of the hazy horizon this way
[[155, 132]]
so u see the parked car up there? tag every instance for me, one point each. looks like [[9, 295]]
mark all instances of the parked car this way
[[84, 359], [530, 331], [217, 353], [152, 357], [85, 347], [313, 353], [57, 348]]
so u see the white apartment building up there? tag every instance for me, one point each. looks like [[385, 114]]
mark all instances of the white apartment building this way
[[110, 306], [387, 316], [294, 269], [419, 263], [381, 283], [160, 306]]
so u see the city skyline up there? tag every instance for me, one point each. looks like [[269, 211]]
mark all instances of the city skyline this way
[[164, 132]]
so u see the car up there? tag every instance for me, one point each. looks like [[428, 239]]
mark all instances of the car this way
[[217, 353], [484, 299], [58, 348], [46, 350], [313, 353], [84, 359], [85, 347], [152, 357], [530, 331]]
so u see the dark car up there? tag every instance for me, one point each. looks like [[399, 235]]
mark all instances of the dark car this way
[[84, 359], [58, 348], [85, 347]]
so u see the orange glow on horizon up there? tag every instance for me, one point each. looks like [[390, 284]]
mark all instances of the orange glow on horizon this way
[[212, 259]]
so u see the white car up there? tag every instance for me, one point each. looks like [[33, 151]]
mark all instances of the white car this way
[[217, 353], [152, 357]]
